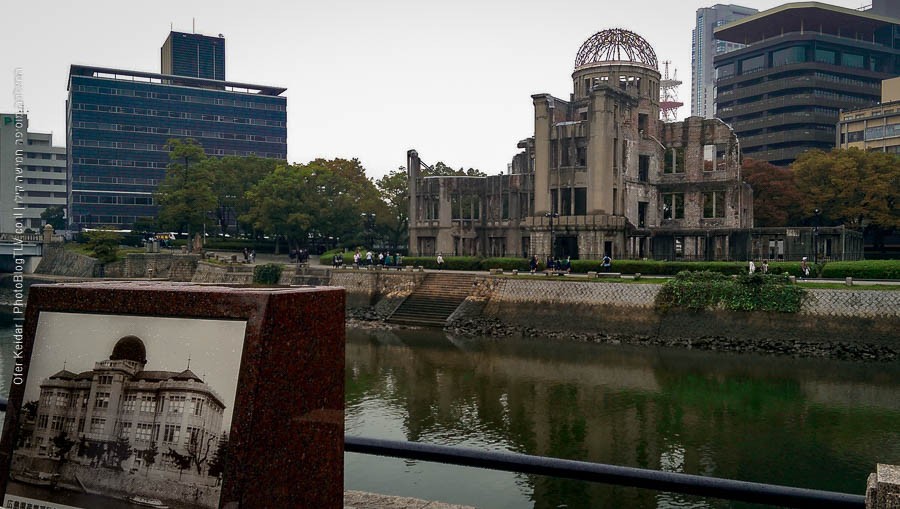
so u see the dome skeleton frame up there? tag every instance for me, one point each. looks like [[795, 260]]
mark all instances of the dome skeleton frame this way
[[616, 44]]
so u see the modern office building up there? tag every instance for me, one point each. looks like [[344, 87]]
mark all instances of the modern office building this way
[[118, 123], [118, 399], [874, 128], [194, 56], [32, 175], [802, 64], [703, 48]]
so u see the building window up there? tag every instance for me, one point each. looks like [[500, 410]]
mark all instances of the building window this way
[[171, 433], [125, 429], [143, 431], [673, 206], [97, 425], [753, 64], [825, 57], [196, 407], [81, 425], [42, 421], [643, 167], [105, 379], [789, 56], [642, 214], [176, 404], [128, 405], [148, 404], [62, 399], [57, 423], [714, 204], [851, 60], [101, 400], [674, 161], [70, 425]]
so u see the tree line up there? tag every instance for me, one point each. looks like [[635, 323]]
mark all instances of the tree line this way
[[848, 187]]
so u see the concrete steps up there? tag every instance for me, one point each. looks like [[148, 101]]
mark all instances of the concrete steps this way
[[434, 300]]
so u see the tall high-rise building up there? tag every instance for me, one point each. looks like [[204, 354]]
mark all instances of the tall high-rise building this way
[[32, 175], [194, 56], [704, 46], [803, 63], [118, 123]]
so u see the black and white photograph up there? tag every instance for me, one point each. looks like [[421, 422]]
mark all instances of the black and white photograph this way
[[126, 411]]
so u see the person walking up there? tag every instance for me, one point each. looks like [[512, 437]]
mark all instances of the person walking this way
[[606, 264], [752, 267], [804, 267], [440, 261], [765, 267]]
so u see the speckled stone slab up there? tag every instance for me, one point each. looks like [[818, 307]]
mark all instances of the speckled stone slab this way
[[287, 428]]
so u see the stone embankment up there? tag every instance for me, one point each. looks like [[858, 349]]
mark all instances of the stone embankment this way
[[842, 324]]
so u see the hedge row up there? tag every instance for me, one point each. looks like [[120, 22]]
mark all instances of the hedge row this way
[[867, 269], [747, 292]]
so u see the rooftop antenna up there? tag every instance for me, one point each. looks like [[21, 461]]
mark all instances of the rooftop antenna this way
[[193, 25], [189, 362], [171, 27], [64, 364]]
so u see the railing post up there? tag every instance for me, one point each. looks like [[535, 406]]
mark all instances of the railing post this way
[[883, 488]]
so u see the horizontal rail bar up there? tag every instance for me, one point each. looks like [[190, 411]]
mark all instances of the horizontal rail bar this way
[[784, 496], [674, 482]]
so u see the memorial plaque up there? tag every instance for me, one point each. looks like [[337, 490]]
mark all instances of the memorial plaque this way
[[176, 395]]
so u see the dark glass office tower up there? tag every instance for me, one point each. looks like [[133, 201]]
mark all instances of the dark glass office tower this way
[[118, 122], [802, 64], [194, 56]]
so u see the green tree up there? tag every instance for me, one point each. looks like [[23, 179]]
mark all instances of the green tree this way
[[232, 177], [394, 189], [220, 459], [149, 454], [851, 187], [121, 451], [776, 199], [311, 202], [185, 196], [442, 170], [103, 244], [182, 461], [55, 216]]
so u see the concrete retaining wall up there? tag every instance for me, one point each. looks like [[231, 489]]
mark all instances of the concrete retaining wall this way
[[58, 261], [381, 288], [846, 315]]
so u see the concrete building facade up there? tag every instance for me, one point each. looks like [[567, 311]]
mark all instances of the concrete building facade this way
[[876, 127], [802, 64], [118, 123], [704, 46], [119, 399], [33, 175], [602, 175]]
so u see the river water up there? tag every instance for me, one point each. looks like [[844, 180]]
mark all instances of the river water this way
[[800, 422]]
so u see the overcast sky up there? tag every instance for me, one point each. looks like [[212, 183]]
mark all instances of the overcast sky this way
[[365, 79], [79, 340]]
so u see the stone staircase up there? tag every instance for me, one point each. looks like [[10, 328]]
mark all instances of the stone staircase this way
[[434, 300]]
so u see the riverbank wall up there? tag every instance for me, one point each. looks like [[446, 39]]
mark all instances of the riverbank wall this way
[[858, 324]]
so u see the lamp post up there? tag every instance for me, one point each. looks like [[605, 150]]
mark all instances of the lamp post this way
[[369, 220], [551, 215], [817, 212]]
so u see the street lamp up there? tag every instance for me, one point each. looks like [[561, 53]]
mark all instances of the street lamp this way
[[551, 215], [817, 212], [369, 224]]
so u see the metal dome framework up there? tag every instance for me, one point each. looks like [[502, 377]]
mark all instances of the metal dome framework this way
[[616, 44]]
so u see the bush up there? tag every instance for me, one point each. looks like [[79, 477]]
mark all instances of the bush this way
[[745, 292], [103, 244], [866, 269], [268, 274]]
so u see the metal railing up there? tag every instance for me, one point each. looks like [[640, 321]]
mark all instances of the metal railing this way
[[673, 482]]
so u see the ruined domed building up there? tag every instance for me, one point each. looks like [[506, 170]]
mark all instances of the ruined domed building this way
[[602, 174]]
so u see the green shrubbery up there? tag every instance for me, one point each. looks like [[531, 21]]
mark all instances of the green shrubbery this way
[[268, 274], [745, 292]]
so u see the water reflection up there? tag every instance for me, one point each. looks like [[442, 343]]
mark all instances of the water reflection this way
[[801, 422]]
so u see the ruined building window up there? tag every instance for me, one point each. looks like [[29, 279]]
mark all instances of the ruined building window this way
[[673, 206], [582, 154], [643, 120], [714, 204], [674, 160], [643, 167], [580, 201], [505, 213], [642, 214]]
